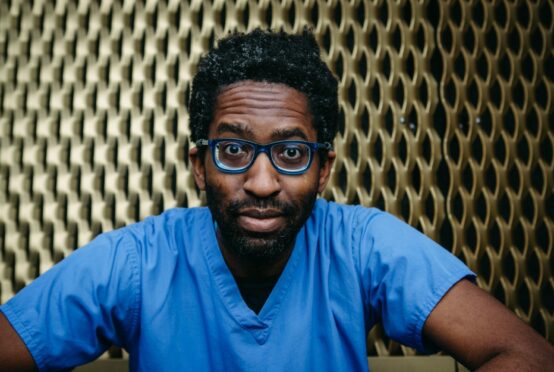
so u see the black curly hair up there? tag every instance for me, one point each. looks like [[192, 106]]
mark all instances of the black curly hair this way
[[269, 56]]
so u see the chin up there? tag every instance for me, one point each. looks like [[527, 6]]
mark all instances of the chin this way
[[260, 249]]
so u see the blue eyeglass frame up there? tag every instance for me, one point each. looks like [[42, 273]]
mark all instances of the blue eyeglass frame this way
[[212, 143]]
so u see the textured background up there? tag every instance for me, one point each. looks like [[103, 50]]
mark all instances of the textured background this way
[[446, 121]]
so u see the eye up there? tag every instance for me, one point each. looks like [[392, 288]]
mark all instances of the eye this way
[[291, 152], [233, 149]]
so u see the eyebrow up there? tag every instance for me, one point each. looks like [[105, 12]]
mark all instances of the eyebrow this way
[[236, 128], [280, 134], [244, 131]]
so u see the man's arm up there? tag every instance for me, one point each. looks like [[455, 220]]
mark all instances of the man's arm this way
[[482, 334], [14, 355]]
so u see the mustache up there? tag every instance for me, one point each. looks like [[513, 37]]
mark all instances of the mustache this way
[[287, 209]]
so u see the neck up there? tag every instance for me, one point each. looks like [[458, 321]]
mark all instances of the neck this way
[[245, 268]]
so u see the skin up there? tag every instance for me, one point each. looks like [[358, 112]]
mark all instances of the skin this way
[[467, 323], [14, 355], [484, 335]]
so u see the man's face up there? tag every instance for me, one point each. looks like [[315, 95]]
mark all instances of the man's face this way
[[259, 212]]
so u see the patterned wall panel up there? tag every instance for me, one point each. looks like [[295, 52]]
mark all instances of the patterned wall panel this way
[[496, 88], [446, 121]]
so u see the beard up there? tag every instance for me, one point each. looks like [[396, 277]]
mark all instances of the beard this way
[[261, 248]]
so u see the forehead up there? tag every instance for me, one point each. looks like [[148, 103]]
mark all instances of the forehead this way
[[259, 109]]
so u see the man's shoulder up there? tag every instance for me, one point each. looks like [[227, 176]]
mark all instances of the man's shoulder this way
[[358, 219], [172, 216], [188, 221], [182, 212], [324, 209]]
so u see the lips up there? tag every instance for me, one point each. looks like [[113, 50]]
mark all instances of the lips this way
[[260, 220]]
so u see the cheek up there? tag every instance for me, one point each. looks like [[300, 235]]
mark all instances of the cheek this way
[[299, 187], [226, 185]]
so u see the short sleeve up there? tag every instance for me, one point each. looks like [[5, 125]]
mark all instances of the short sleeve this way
[[405, 274], [72, 313]]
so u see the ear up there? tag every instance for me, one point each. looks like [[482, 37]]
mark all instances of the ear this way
[[325, 170], [198, 168]]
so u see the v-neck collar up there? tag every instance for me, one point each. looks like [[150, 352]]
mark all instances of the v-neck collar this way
[[259, 325]]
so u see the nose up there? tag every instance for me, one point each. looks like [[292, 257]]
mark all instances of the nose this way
[[262, 179]]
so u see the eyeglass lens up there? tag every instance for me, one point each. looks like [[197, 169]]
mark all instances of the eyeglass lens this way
[[290, 156]]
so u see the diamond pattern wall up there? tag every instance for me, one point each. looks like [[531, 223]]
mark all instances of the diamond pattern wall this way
[[446, 121]]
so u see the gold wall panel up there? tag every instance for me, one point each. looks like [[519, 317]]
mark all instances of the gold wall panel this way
[[446, 121]]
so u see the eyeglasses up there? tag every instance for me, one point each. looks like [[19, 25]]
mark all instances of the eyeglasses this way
[[232, 155]]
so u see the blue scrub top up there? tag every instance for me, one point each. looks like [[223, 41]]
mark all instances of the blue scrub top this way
[[161, 289]]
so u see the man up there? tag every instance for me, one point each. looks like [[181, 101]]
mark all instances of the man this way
[[267, 277]]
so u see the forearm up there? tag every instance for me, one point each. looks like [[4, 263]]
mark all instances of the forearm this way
[[530, 353], [521, 362], [14, 355], [484, 335]]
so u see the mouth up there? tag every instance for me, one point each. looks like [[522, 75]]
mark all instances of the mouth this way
[[260, 220]]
